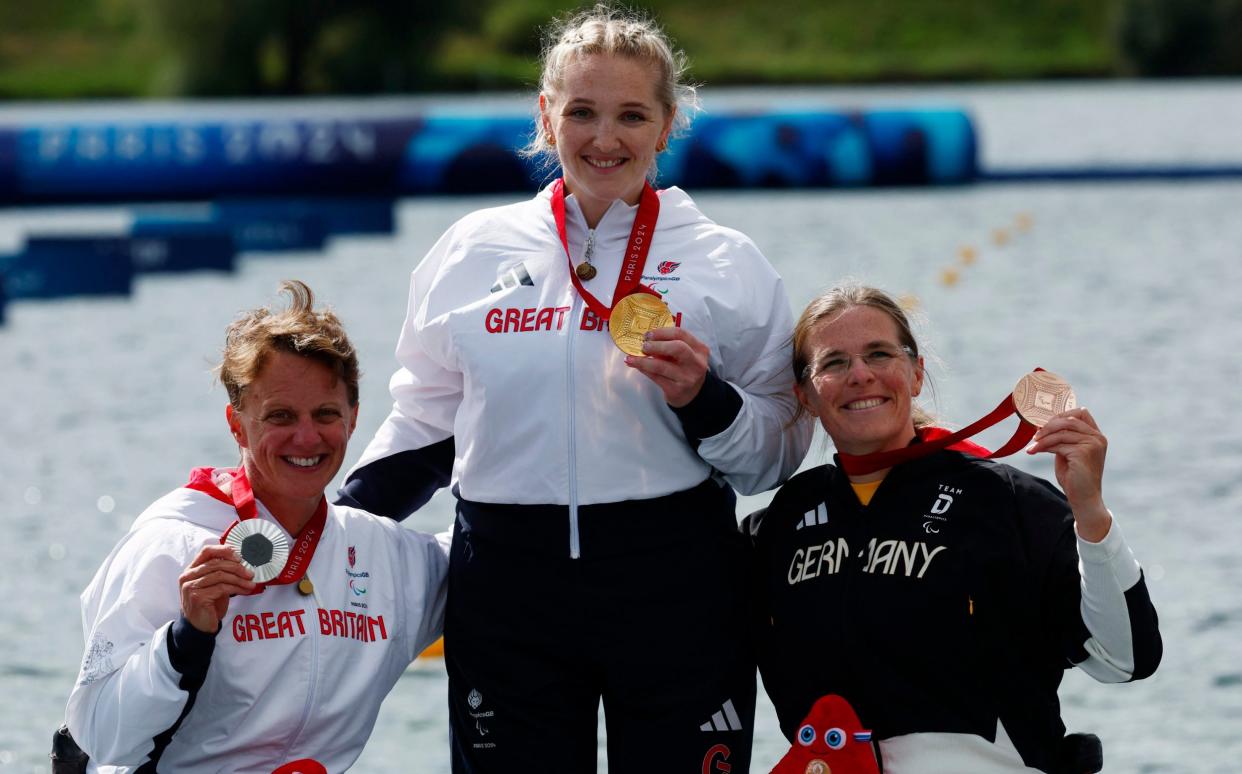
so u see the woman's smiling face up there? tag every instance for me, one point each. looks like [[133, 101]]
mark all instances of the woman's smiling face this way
[[293, 428], [866, 408], [607, 124]]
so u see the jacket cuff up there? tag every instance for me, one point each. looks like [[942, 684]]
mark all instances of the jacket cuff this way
[[189, 650], [712, 411], [1111, 555]]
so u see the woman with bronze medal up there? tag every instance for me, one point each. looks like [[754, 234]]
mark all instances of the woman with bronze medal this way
[[591, 370], [938, 592], [243, 623]]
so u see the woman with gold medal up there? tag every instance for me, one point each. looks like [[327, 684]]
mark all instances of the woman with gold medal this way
[[244, 623], [594, 371]]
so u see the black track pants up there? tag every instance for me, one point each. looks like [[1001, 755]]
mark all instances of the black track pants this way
[[652, 620]]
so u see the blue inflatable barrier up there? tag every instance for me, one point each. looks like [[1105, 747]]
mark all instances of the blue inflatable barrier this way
[[469, 154], [54, 267], [785, 150], [442, 153], [131, 161]]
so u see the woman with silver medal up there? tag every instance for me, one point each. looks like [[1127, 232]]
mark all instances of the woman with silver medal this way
[[591, 370], [244, 623]]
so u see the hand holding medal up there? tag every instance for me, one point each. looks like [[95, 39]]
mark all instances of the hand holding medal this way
[[214, 576], [1080, 447], [676, 361]]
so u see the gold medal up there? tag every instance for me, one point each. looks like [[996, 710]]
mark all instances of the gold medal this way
[[1041, 395], [305, 587], [585, 271], [633, 316]]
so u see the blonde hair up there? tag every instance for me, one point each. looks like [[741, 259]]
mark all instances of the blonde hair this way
[[836, 301], [299, 330], [612, 30]]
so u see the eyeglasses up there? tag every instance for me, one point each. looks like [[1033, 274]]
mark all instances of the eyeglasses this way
[[835, 365]]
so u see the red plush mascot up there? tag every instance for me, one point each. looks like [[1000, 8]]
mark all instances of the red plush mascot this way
[[831, 740]]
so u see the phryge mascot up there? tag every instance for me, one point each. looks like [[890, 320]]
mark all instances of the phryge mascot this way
[[831, 740]]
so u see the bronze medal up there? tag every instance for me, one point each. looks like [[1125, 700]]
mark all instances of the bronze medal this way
[[585, 271], [633, 316], [1041, 395], [305, 587]]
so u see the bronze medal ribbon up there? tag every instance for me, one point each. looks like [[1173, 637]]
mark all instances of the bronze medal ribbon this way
[[862, 464], [636, 248], [304, 546]]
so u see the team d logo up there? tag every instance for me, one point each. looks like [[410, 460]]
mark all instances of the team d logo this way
[[668, 267]]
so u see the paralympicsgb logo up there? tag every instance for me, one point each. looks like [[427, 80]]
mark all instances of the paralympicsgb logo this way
[[474, 699], [668, 267]]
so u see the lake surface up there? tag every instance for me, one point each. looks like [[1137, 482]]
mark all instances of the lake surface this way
[[1128, 290]]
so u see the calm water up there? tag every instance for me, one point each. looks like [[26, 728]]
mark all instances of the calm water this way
[[1127, 290]]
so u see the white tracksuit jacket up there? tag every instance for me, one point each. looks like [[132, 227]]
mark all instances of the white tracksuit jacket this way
[[291, 676], [499, 352]]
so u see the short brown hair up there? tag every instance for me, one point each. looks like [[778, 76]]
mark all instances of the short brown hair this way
[[299, 330]]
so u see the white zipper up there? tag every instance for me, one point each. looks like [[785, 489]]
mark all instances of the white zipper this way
[[574, 311], [314, 670], [575, 547]]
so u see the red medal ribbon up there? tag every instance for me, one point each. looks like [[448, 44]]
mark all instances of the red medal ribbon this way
[[636, 249], [303, 547], [862, 464]]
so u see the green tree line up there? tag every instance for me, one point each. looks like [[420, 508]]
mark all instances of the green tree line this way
[[153, 48]]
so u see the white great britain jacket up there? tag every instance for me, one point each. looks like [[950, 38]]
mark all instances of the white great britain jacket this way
[[291, 676], [500, 354]]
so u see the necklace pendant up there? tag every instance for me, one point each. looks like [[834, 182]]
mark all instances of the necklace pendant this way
[[585, 271], [305, 587]]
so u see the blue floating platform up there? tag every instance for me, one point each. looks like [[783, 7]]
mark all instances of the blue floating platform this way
[[55, 267], [255, 231], [340, 215], [249, 229], [169, 246]]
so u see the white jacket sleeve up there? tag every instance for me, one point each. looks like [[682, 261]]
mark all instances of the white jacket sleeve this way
[[760, 448], [128, 691], [426, 392], [1117, 611], [425, 561]]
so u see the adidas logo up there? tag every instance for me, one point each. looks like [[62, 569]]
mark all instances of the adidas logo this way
[[724, 719], [817, 516], [512, 278]]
